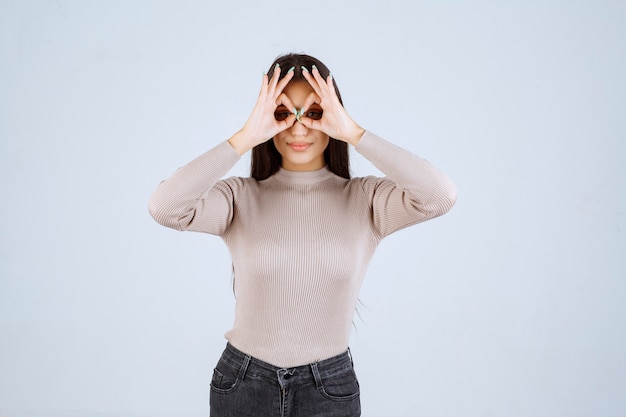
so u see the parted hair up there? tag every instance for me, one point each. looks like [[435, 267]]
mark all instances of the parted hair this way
[[266, 160]]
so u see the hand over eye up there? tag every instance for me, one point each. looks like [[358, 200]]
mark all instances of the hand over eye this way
[[324, 111], [263, 123]]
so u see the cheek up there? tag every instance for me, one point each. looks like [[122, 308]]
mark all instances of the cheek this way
[[279, 144], [278, 136], [325, 140]]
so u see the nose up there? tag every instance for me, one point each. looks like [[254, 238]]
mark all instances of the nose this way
[[298, 129]]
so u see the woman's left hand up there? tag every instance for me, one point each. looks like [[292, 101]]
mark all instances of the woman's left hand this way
[[335, 121]]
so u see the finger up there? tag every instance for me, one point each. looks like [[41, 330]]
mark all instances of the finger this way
[[264, 85], [287, 123], [331, 88], [274, 80], [329, 81], [312, 124], [311, 80], [283, 83], [284, 100], [328, 87], [319, 79], [310, 100], [284, 124]]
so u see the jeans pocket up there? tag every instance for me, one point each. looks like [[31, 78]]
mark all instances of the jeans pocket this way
[[343, 386], [225, 378]]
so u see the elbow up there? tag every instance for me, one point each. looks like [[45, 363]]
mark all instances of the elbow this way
[[442, 201], [449, 197], [163, 214], [156, 211], [446, 195]]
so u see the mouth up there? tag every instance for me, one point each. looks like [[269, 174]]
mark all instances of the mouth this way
[[299, 146]]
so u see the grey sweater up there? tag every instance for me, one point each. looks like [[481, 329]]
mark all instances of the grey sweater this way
[[300, 241]]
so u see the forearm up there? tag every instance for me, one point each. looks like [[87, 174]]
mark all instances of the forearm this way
[[242, 141], [425, 183]]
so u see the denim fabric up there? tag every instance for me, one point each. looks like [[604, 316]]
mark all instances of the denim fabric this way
[[243, 386]]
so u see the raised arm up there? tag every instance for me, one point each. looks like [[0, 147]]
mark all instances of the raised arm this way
[[192, 198], [413, 190]]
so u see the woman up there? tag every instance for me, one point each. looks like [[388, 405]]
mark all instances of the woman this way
[[301, 234]]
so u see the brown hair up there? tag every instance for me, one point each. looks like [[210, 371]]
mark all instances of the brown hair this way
[[266, 160]]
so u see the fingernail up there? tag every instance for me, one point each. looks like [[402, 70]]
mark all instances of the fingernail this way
[[304, 69], [291, 69], [330, 74], [276, 66], [315, 68]]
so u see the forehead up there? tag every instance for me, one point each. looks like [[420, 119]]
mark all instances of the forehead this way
[[298, 91]]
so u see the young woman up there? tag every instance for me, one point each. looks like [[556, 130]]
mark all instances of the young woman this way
[[301, 233]]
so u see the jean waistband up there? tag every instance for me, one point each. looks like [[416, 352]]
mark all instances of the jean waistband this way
[[249, 366]]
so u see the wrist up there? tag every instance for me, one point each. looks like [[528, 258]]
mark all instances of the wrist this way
[[356, 136], [241, 142]]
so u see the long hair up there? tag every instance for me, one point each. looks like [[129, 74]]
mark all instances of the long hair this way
[[266, 160]]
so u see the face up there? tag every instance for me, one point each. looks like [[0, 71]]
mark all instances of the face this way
[[302, 149]]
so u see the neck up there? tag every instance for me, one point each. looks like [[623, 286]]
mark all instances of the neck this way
[[303, 177]]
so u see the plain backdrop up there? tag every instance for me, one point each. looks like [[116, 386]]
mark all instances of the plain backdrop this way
[[511, 305]]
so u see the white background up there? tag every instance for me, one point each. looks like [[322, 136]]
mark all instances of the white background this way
[[511, 305]]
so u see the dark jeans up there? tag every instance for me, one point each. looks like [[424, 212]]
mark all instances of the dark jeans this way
[[243, 386]]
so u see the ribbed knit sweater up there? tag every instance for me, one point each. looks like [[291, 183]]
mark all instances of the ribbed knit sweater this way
[[300, 242]]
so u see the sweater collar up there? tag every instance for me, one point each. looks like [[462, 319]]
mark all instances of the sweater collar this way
[[303, 177]]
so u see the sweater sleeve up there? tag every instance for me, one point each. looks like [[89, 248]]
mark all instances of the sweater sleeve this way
[[194, 198], [413, 190]]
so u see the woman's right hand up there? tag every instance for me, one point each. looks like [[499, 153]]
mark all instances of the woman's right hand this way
[[262, 125]]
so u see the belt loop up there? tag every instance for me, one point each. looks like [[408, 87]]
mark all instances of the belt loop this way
[[316, 375], [244, 367]]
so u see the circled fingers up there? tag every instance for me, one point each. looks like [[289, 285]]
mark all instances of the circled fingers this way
[[311, 99]]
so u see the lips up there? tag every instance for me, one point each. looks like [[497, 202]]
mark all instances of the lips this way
[[299, 146]]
